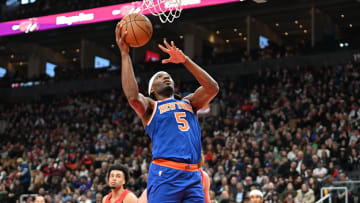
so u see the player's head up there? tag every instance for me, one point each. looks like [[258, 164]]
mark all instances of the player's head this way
[[161, 83], [39, 199], [256, 196], [117, 176]]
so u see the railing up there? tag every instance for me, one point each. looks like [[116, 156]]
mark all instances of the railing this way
[[353, 187], [334, 188], [344, 182], [23, 196], [324, 198]]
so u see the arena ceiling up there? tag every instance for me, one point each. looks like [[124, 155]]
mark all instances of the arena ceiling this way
[[228, 20]]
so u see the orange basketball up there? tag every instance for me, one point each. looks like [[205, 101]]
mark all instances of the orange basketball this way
[[139, 29]]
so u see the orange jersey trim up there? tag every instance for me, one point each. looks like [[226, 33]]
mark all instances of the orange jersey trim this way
[[186, 100], [153, 113], [176, 165]]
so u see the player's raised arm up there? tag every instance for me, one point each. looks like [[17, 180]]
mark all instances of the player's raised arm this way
[[209, 87], [138, 102]]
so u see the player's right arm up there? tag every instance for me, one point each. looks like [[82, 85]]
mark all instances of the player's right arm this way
[[137, 101]]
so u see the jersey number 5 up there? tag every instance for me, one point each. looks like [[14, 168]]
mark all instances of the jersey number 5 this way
[[180, 119]]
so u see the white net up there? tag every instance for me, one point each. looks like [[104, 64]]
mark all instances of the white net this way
[[166, 10]]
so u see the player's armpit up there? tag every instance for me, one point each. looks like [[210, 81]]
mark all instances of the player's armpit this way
[[200, 98]]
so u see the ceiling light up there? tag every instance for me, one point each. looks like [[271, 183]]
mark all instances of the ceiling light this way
[[21, 63], [342, 16], [277, 24], [227, 41], [286, 33], [74, 59], [245, 38], [235, 29], [77, 50], [63, 51], [350, 25], [240, 34], [296, 21], [217, 32], [305, 31], [181, 36], [212, 38], [12, 56], [300, 26]]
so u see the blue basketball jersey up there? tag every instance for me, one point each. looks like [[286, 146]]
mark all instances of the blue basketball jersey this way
[[175, 132]]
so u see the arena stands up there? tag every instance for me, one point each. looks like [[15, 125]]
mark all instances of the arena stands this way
[[284, 132]]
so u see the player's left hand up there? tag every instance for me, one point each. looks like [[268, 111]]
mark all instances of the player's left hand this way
[[176, 55]]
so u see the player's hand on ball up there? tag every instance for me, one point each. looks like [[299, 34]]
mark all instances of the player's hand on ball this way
[[120, 40], [176, 55]]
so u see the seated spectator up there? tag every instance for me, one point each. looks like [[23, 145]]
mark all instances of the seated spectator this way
[[305, 194], [289, 193], [39, 199], [320, 172]]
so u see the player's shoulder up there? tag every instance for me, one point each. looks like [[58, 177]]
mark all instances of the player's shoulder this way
[[130, 197], [104, 198]]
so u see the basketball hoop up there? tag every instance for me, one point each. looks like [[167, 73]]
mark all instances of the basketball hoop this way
[[166, 10]]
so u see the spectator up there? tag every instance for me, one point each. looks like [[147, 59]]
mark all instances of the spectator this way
[[289, 193], [239, 193], [350, 188], [39, 199], [270, 193], [24, 174], [320, 172], [305, 194]]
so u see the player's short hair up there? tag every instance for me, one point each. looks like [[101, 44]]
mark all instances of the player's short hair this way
[[119, 168]]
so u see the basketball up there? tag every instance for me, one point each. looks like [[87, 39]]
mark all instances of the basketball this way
[[139, 29]]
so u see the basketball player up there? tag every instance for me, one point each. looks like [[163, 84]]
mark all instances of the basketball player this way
[[205, 179], [174, 175], [117, 176], [256, 196]]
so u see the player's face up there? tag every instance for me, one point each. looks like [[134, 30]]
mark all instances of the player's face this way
[[163, 83], [255, 199], [116, 179]]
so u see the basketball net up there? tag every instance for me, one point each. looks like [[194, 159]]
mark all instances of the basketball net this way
[[166, 10]]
